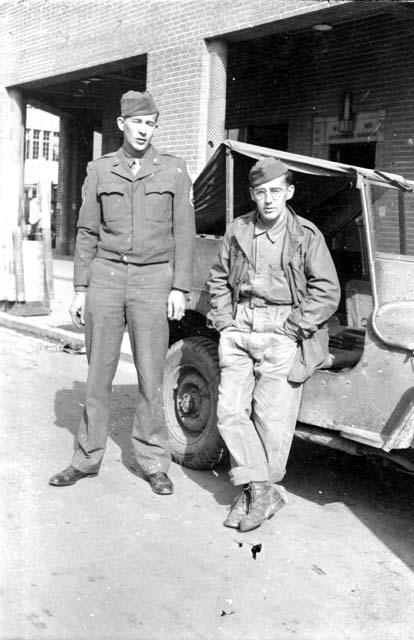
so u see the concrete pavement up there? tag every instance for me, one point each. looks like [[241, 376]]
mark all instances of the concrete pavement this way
[[106, 559]]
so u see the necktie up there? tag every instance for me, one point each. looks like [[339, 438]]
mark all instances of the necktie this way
[[135, 166]]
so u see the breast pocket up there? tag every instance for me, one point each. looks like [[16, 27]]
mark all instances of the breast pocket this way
[[112, 198], [159, 196]]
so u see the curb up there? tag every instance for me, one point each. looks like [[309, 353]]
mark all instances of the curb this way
[[18, 323], [74, 340]]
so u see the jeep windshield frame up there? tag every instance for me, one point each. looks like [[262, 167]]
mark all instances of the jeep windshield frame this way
[[389, 253]]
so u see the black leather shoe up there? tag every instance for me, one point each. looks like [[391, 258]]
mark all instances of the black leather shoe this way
[[69, 476], [160, 483]]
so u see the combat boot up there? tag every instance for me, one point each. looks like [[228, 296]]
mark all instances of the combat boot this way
[[264, 501], [238, 510]]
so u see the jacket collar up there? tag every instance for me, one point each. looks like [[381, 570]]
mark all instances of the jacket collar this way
[[150, 163], [294, 237], [244, 233]]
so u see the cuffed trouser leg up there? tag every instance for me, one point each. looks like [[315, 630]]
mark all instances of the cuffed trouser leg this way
[[254, 370], [104, 329], [146, 311], [276, 403]]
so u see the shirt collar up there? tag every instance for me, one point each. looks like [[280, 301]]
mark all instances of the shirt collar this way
[[274, 232], [131, 160]]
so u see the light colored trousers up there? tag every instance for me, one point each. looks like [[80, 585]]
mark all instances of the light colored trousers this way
[[257, 406]]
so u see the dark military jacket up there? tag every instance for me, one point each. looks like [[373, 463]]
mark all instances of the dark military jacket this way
[[140, 219]]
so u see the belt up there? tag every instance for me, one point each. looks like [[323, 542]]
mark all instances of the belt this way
[[132, 258], [255, 301]]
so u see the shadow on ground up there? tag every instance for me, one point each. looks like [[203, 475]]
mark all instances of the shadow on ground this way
[[382, 498], [68, 412]]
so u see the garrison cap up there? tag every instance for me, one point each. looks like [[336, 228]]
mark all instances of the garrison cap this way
[[134, 103], [266, 169]]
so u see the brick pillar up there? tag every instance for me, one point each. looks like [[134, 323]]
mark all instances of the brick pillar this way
[[75, 151], [83, 150], [216, 131], [111, 135], [178, 79], [74, 189], [64, 213]]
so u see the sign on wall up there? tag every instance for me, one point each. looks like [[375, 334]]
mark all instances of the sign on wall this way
[[366, 127]]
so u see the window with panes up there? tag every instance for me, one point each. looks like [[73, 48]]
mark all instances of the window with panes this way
[[46, 145], [36, 144]]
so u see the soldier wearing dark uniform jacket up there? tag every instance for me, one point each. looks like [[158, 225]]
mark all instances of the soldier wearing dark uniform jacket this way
[[133, 266]]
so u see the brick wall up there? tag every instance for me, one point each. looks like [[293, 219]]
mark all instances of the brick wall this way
[[45, 39], [300, 77]]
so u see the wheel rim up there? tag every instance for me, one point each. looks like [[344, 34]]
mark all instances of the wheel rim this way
[[193, 402]]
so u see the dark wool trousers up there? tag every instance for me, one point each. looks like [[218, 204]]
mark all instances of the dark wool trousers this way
[[118, 295]]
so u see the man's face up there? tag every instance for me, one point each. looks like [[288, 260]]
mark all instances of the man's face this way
[[271, 198], [138, 131]]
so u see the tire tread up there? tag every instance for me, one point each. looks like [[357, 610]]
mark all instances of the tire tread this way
[[216, 450]]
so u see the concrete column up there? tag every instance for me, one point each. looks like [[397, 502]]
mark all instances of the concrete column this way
[[216, 132], [11, 189], [14, 184]]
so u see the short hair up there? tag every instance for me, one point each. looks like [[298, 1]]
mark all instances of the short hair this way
[[289, 177]]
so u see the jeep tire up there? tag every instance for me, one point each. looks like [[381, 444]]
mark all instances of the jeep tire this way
[[190, 393]]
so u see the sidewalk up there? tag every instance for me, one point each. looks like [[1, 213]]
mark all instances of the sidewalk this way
[[57, 325]]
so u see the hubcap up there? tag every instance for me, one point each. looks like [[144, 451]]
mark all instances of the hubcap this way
[[192, 401]]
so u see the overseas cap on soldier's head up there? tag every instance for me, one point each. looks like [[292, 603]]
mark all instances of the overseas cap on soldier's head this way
[[134, 103], [266, 169]]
